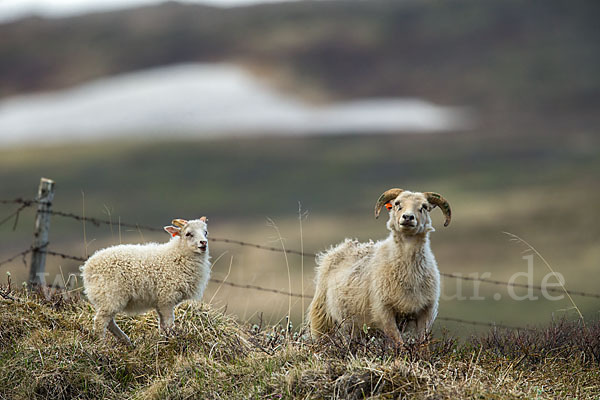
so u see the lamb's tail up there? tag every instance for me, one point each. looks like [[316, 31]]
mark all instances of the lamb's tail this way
[[318, 317]]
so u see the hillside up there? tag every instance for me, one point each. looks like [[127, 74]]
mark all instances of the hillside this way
[[513, 56], [49, 351]]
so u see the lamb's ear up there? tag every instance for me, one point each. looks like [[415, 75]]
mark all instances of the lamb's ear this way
[[181, 223], [203, 219], [172, 230]]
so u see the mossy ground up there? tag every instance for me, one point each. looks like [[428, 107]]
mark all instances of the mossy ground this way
[[48, 350]]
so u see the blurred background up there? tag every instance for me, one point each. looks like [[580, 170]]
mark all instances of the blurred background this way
[[284, 122]]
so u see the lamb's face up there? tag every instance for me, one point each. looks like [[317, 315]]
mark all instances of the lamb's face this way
[[409, 214], [193, 234]]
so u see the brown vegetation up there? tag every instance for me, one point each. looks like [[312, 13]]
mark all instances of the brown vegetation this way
[[48, 350]]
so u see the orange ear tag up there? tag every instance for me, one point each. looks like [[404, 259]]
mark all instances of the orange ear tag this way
[[388, 206], [175, 234]]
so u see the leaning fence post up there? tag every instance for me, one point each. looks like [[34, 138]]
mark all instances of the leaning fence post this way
[[40, 233]]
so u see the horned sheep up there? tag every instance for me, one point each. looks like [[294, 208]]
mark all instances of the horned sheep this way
[[135, 278], [386, 284]]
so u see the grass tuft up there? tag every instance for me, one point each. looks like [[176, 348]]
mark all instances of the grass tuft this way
[[48, 350]]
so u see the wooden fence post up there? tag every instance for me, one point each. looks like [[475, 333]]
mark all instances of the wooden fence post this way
[[40, 233]]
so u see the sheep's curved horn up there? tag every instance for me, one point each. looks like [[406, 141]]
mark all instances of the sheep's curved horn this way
[[438, 200], [384, 198], [180, 223]]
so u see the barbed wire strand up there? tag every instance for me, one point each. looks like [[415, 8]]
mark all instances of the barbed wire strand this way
[[248, 286], [214, 280], [98, 222], [448, 275], [258, 246], [263, 289], [21, 254], [15, 214], [19, 200], [65, 256], [445, 274], [481, 323], [310, 296]]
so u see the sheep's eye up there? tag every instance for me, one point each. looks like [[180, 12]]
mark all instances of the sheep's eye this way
[[397, 203], [424, 208], [189, 234], [205, 233]]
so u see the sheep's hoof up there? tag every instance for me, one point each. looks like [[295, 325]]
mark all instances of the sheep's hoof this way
[[124, 340], [167, 332]]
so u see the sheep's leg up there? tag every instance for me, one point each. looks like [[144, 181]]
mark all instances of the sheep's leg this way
[[119, 334], [101, 321], [425, 320], [166, 317], [388, 323], [105, 319], [320, 322]]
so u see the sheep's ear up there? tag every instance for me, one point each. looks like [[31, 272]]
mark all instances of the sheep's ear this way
[[179, 222], [173, 231], [203, 219]]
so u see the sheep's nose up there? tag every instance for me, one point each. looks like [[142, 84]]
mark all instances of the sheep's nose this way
[[408, 217], [203, 243]]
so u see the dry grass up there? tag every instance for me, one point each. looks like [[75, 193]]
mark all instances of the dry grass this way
[[47, 350]]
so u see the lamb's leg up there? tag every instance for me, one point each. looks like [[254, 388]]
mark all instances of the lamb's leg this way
[[101, 321], [166, 317], [105, 319], [119, 334], [388, 323], [425, 320]]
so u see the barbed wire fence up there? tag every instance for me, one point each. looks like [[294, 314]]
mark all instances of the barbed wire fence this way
[[26, 203]]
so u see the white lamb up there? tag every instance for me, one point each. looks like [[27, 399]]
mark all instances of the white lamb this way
[[134, 278], [384, 284]]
